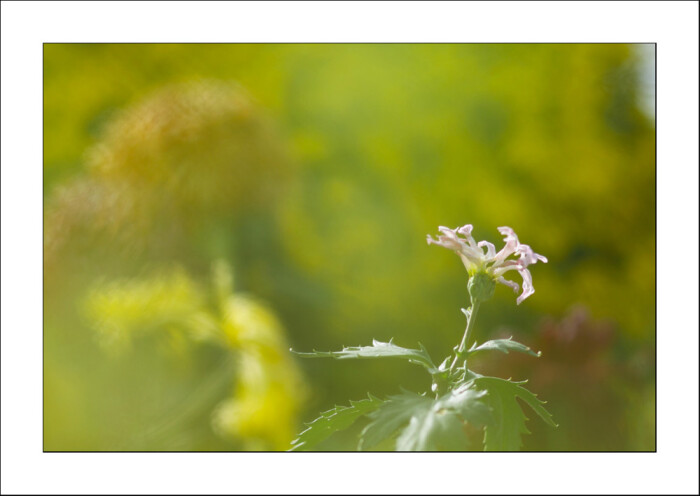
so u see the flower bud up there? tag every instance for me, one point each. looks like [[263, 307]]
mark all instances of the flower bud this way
[[481, 286]]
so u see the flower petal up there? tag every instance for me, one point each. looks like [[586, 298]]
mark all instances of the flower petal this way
[[528, 288], [465, 230], [511, 284], [502, 268], [527, 256], [490, 249], [471, 256], [447, 230], [469, 264], [449, 242], [512, 243], [482, 256], [508, 233]]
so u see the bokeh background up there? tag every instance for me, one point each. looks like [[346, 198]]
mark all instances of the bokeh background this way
[[208, 206]]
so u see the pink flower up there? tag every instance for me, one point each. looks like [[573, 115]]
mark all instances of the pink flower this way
[[482, 256]]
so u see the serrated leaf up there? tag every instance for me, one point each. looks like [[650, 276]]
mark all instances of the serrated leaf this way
[[468, 403], [395, 412], [377, 350], [336, 419], [503, 345], [505, 431], [433, 429], [433, 425]]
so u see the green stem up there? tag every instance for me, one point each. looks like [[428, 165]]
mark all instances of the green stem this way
[[470, 324]]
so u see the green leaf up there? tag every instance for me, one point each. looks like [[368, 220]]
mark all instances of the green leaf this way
[[505, 431], [395, 412], [336, 419], [433, 425], [468, 403], [378, 350], [504, 345], [433, 430]]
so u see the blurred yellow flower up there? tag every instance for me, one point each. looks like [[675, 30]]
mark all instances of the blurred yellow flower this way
[[268, 386]]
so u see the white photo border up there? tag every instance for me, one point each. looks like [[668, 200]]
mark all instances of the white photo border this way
[[672, 469]]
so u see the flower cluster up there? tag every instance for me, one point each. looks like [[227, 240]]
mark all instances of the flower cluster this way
[[481, 257]]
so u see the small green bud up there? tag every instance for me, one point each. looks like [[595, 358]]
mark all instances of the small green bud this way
[[481, 286]]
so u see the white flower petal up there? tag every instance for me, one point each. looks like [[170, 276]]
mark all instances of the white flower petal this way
[[508, 233], [527, 256], [494, 264], [472, 257], [465, 230], [451, 243], [450, 233], [511, 284], [468, 263], [502, 268], [528, 288], [512, 243], [490, 249]]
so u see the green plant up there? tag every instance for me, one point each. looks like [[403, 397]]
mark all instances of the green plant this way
[[267, 389], [463, 403]]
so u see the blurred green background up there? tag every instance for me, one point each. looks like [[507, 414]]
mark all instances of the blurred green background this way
[[209, 206]]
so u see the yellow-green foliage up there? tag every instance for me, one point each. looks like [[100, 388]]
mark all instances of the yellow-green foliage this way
[[205, 145], [268, 387], [180, 158], [543, 138], [179, 164]]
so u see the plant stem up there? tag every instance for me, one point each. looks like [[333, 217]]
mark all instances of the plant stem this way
[[470, 324]]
